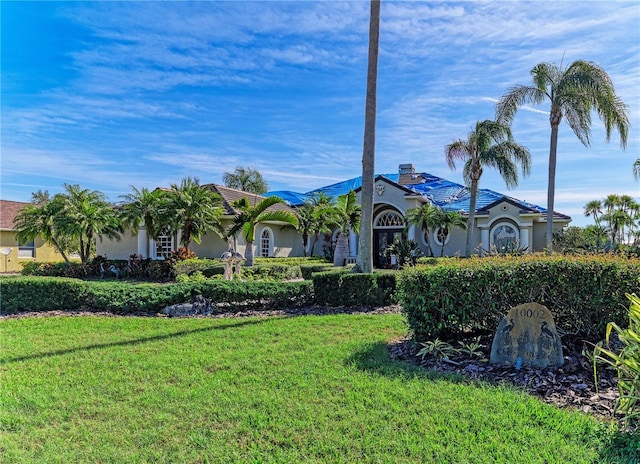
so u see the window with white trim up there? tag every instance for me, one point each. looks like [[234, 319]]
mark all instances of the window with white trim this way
[[265, 243], [27, 249], [442, 235], [164, 246]]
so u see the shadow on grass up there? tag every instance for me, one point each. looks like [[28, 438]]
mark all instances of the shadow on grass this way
[[138, 341], [375, 358]]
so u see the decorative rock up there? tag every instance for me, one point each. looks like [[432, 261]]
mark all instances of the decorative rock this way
[[198, 306], [527, 336]]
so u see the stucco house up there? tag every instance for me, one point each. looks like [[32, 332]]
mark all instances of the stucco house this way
[[500, 220], [272, 238], [13, 253]]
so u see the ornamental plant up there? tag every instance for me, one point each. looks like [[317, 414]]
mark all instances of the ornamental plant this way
[[626, 362]]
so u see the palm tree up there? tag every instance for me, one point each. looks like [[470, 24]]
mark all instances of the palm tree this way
[[249, 216], [490, 144], [364, 261], [573, 93], [87, 215], [348, 214], [594, 208], [443, 221], [143, 207], [315, 217], [422, 217], [43, 220], [636, 169], [193, 209], [245, 179]]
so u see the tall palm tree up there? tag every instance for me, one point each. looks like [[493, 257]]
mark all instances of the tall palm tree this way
[[42, 220], [143, 207], [86, 216], [250, 215], [193, 209], [573, 93], [364, 261], [490, 144], [636, 169], [245, 179], [423, 217], [443, 221], [348, 214]]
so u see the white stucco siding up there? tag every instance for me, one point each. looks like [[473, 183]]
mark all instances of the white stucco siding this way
[[114, 249], [211, 246]]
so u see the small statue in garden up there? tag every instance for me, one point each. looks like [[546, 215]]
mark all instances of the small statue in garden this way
[[228, 266], [232, 264]]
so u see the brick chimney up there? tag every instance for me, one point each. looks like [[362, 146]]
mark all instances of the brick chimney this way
[[407, 174]]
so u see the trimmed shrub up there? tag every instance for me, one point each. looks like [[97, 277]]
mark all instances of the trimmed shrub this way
[[307, 270], [274, 271], [344, 288], [189, 266], [46, 293], [583, 293], [40, 294]]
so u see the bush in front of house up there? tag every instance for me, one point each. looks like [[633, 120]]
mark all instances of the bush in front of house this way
[[49, 293], [582, 292], [343, 288], [40, 294]]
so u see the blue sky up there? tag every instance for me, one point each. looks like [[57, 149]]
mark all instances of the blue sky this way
[[113, 94]]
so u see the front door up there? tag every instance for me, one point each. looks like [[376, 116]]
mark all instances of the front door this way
[[382, 239]]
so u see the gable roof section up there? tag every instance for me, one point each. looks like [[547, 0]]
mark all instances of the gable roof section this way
[[8, 211], [230, 196]]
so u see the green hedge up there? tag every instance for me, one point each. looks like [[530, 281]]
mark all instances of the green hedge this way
[[344, 288], [43, 293], [306, 270], [40, 294], [275, 271], [582, 293]]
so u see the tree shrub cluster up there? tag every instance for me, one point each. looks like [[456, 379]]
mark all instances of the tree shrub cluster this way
[[44, 294], [582, 293]]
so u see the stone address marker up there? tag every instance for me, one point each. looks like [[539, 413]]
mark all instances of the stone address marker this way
[[529, 334]]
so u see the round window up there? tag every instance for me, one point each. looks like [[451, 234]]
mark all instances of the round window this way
[[442, 235]]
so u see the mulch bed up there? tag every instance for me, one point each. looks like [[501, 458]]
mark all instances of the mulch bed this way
[[570, 386]]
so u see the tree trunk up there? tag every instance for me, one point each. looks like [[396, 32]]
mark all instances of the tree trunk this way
[[551, 189], [365, 239], [341, 252], [248, 254], [472, 216], [305, 242]]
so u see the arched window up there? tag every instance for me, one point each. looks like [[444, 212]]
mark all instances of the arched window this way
[[504, 237], [265, 243], [389, 219]]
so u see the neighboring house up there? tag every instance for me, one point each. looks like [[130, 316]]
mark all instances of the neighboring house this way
[[18, 253], [271, 239], [501, 222]]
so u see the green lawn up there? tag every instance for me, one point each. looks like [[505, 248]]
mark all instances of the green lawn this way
[[304, 389]]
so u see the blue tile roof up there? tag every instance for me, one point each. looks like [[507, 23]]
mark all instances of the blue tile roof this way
[[441, 192]]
